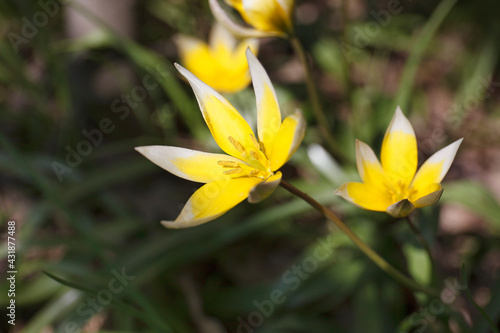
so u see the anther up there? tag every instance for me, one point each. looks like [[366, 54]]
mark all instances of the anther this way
[[232, 171], [236, 144], [254, 140], [262, 148], [228, 164], [254, 154]]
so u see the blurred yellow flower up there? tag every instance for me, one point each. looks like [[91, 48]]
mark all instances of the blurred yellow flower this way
[[221, 64], [267, 17], [394, 186], [249, 170]]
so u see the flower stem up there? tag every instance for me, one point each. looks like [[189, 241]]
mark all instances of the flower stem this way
[[368, 251], [321, 119], [420, 238]]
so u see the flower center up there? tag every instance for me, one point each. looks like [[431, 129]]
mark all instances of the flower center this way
[[399, 191], [257, 163]]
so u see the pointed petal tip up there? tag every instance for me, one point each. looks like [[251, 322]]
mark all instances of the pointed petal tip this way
[[341, 191], [178, 224], [459, 141], [453, 147], [169, 224], [361, 143], [365, 154], [184, 72], [248, 52], [143, 149], [182, 224], [253, 62], [443, 159], [399, 122]]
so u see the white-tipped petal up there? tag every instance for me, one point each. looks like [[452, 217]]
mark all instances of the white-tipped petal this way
[[187, 43], [267, 15], [399, 155], [221, 117], [436, 166], [236, 29], [369, 167], [399, 122], [212, 200], [219, 35], [364, 196], [287, 6], [189, 164], [288, 139], [268, 110]]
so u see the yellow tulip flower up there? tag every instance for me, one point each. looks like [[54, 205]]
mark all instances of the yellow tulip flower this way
[[267, 17], [249, 169], [394, 186], [222, 63]]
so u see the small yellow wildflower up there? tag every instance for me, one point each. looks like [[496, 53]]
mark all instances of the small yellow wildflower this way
[[395, 186], [249, 170], [222, 63], [267, 17]]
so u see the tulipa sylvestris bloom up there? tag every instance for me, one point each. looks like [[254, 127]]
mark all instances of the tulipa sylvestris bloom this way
[[221, 63], [394, 186], [249, 167], [267, 17]]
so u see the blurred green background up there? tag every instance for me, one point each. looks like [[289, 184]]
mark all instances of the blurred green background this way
[[82, 83]]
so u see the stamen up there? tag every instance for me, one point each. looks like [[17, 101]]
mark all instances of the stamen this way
[[253, 173], [236, 144], [254, 140], [254, 154], [232, 171], [262, 148], [228, 164]]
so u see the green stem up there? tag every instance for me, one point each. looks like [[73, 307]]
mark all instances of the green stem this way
[[368, 251], [421, 239], [312, 92]]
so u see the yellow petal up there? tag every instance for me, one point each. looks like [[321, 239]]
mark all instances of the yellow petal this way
[[365, 196], [221, 38], [369, 167], [268, 110], [221, 117], [189, 164], [222, 65], [288, 139], [434, 170], [267, 15], [235, 28], [287, 6], [399, 154], [212, 200], [236, 4], [196, 56], [263, 190]]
